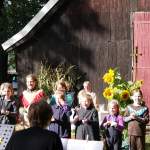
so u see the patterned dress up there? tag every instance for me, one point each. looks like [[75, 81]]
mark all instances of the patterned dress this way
[[137, 126]]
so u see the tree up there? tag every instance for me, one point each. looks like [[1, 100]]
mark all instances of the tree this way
[[15, 14]]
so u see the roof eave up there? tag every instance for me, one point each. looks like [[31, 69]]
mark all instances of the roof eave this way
[[19, 38]]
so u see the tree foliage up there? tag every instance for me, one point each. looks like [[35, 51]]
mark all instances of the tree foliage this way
[[15, 14]]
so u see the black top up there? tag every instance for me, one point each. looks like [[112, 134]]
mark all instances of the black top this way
[[11, 106], [34, 138]]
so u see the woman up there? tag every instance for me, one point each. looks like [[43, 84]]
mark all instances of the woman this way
[[36, 137], [31, 95], [60, 122]]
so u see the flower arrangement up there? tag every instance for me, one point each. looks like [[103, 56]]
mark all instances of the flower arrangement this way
[[118, 88]]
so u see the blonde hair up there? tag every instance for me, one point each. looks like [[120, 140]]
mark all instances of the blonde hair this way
[[6, 85], [83, 95], [142, 102], [113, 102], [86, 82], [32, 76]]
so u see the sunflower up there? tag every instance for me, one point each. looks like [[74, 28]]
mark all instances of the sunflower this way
[[118, 88], [111, 72], [124, 95], [108, 78], [108, 93]]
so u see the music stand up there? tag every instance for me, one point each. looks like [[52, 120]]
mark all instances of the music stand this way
[[6, 132]]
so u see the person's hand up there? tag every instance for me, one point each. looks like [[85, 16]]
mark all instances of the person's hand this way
[[114, 124], [7, 112], [108, 123], [52, 119], [77, 108], [3, 111], [84, 121], [132, 115], [76, 118]]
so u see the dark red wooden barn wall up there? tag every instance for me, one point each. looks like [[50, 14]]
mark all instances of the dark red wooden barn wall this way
[[94, 34], [141, 21]]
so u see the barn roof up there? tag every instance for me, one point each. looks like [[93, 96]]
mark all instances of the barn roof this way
[[49, 8]]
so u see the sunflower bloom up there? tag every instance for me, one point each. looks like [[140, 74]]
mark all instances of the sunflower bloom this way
[[125, 95], [108, 78], [108, 93], [111, 72]]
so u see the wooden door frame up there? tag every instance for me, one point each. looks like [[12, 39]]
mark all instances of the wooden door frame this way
[[133, 71]]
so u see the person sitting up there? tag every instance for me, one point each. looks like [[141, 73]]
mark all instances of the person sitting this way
[[37, 137]]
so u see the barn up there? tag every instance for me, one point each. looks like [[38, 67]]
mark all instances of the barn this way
[[93, 34]]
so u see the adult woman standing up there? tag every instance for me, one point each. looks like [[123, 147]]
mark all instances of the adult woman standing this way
[[31, 95]]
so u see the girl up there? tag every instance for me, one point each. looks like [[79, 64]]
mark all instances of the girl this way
[[86, 119], [137, 116], [60, 122], [113, 126], [87, 88], [8, 105]]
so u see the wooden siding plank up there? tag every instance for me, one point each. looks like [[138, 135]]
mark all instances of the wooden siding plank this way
[[120, 20]]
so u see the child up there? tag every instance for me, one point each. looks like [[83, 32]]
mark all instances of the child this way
[[87, 88], [113, 125], [8, 106], [137, 116], [86, 119], [60, 122]]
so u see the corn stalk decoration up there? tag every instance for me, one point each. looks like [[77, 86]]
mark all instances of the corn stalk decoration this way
[[48, 76]]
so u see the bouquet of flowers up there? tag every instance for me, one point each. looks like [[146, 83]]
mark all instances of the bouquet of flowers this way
[[118, 88]]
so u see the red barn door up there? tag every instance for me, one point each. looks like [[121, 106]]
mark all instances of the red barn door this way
[[141, 61]]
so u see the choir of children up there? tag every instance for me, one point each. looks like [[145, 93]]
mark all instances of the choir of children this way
[[86, 114]]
